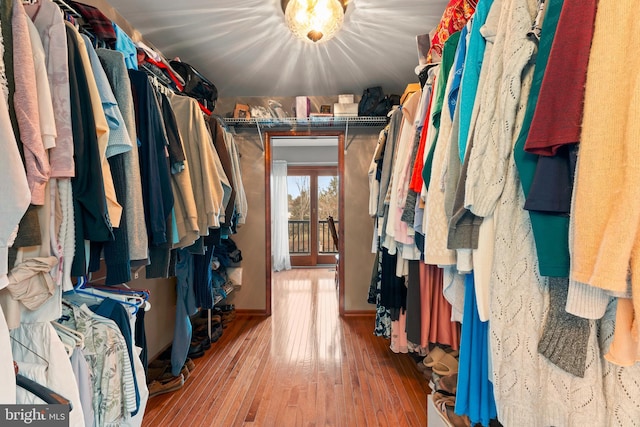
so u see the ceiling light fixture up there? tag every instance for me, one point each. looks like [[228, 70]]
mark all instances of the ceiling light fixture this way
[[314, 20]]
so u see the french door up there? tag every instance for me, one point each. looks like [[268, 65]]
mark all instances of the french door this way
[[313, 197]]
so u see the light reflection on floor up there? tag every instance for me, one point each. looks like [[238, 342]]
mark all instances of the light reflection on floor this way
[[305, 316]]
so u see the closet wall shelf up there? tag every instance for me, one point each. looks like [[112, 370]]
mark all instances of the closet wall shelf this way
[[227, 288], [311, 123]]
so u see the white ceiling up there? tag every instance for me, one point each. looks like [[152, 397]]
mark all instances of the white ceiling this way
[[244, 47]]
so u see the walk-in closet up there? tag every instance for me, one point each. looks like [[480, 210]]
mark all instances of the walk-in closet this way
[[278, 213]]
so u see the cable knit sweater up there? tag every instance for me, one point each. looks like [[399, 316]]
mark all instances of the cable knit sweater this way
[[621, 385], [435, 224], [529, 390]]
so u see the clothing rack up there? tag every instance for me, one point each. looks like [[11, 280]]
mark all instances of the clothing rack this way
[[150, 72], [160, 86], [68, 9]]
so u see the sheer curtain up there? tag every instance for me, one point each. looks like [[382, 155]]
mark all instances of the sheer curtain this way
[[279, 217]]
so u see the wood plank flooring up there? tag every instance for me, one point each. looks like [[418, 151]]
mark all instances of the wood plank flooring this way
[[303, 366]]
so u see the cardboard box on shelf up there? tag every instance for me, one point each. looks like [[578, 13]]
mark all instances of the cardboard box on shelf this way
[[303, 107], [347, 98], [241, 111], [345, 110]]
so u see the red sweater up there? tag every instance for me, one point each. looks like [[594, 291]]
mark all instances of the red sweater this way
[[558, 116]]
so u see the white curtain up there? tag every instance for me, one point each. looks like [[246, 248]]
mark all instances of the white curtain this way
[[279, 217]]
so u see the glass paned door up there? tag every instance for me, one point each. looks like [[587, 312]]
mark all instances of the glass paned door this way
[[299, 190], [327, 207], [313, 197]]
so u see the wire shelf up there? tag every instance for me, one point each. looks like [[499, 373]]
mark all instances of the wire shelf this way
[[311, 122]]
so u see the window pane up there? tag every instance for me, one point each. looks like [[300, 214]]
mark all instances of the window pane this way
[[299, 214], [327, 206]]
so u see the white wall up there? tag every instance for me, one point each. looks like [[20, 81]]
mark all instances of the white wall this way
[[358, 259], [251, 237]]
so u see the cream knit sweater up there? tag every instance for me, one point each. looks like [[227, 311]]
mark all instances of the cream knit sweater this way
[[621, 384], [529, 390], [435, 223]]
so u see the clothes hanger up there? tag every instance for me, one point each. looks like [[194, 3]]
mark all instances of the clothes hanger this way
[[68, 348], [29, 350], [83, 297], [49, 396], [145, 293], [120, 297], [66, 8], [68, 341], [83, 293], [77, 336], [140, 295], [81, 290]]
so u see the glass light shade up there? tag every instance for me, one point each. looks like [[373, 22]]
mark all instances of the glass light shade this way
[[314, 20]]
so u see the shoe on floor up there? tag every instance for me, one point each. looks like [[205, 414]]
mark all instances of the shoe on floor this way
[[202, 342], [195, 351], [445, 409], [421, 366], [447, 365], [159, 363], [216, 333], [203, 321], [196, 354], [155, 373], [200, 333], [161, 387], [190, 365], [448, 384], [168, 376], [205, 343]]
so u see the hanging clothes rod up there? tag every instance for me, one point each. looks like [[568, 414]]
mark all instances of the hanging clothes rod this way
[[66, 8]]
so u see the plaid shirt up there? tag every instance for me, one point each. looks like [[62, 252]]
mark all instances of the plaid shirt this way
[[99, 24]]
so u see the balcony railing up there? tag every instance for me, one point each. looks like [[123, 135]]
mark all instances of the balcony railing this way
[[300, 235]]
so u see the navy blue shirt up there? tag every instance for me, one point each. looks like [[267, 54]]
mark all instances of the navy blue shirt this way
[[154, 164]]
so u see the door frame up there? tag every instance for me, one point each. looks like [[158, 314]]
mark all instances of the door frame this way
[[267, 192], [314, 258]]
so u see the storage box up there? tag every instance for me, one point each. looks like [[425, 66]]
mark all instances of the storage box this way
[[241, 111], [235, 275], [345, 110], [347, 98], [303, 107]]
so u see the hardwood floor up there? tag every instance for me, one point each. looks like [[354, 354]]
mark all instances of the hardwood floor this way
[[303, 366]]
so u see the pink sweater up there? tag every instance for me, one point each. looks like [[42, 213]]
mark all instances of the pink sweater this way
[[26, 105]]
